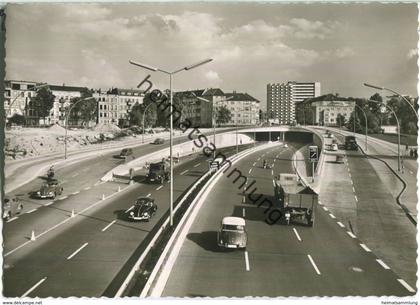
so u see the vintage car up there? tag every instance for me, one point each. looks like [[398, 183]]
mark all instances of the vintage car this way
[[143, 209], [232, 233], [50, 189], [158, 141], [11, 207], [334, 147], [126, 152]]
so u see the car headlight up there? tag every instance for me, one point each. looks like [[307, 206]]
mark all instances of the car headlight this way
[[50, 193], [38, 193], [132, 213]]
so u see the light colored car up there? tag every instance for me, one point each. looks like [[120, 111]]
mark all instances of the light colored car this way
[[11, 207], [334, 147], [232, 233]]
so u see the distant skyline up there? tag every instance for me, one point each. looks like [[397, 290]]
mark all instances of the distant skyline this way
[[252, 44]]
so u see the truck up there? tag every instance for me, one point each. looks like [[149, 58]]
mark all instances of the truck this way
[[350, 143], [159, 171], [296, 201]]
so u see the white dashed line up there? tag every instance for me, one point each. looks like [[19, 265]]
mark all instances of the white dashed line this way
[[243, 212], [87, 188], [184, 172], [49, 203], [148, 195], [272, 173], [365, 248], [104, 229], [62, 198], [351, 234], [341, 224], [254, 163], [197, 165], [332, 216], [355, 197], [75, 175], [319, 202], [325, 209], [75, 193], [274, 183], [250, 170], [313, 264], [352, 182], [297, 234], [33, 288], [406, 286], [259, 159], [157, 189], [77, 251], [31, 211], [246, 261], [385, 266], [354, 191], [350, 175], [411, 172], [97, 183], [12, 219]]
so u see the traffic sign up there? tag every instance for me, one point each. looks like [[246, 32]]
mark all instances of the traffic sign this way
[[313, 153]]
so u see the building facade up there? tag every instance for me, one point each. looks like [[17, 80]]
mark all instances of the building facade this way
[[17, 95], [114, 106], [326, 112], [245, 109], [282, 99]]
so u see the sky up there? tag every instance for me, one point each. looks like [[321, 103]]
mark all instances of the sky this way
[[251, 44]]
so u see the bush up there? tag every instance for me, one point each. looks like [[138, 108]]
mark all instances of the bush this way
[[17, 119]]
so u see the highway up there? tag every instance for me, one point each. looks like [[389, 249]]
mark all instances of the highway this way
[[81, 255], [280, 260]]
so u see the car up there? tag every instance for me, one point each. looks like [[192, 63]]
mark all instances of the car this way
[[330, 135], [50, 189], [232, 233], [158, 141], [143, 209], [334, 147], [126, 152], [11, 207]]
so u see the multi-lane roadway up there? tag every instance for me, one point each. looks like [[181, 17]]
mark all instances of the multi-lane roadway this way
[[280, 260]]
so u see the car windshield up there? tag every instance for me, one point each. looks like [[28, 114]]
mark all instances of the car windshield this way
[[156, 166], [143, 201], [233, 228]]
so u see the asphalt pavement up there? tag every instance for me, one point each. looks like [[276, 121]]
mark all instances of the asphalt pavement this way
[[81, 255], [280, 260]]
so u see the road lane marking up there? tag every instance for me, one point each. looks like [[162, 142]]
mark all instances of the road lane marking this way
[[385, 266], [365, 248], [314, 265], [332, 216], [49, 203], [158, 188], [355, 197], [406, 286], [354, 191], [148, 195], [319, 202], [351, 234], [184, 172], [272, 173], [325, 209], [259, 159], [246, 261], [104, 229], [411, 172], [97, 183], [297, 234], [33, 288], [350, 175], [77, 251], [243, 212], [129, 209], [75, 175], [250, 170], [274, 183], [351, 182], [11, 219], [87, 188], [62, 198], [254, 163], [31, 211], [197, 165], [75, 193]]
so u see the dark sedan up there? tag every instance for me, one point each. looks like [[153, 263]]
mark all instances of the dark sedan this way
[[143, 209]]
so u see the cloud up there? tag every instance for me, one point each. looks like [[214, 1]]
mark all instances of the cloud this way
[[306, 29], [344, 52], [213, 77], [412, 53]]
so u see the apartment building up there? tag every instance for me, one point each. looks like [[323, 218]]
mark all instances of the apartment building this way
[[17, 95]]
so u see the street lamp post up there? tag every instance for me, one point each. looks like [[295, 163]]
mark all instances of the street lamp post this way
[[67, 122], [395, 92], [144, 114], [398, 127], [366, 125], [170, 74]]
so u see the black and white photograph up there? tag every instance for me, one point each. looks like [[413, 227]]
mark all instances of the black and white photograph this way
[[234, 150]]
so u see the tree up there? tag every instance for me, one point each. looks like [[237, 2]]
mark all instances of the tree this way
[[341, 120], [42, 102], [350, 124], [85, 111], [17, 119], [223, 115], [137, 111]]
